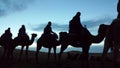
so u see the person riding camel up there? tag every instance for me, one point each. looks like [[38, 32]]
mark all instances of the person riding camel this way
[[7, 34], [48, 29], [48, 33], [22, 31], [75, 25], [6, 37]]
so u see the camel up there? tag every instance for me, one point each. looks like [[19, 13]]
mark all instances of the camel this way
[[22, 42], [5, 41], [84, 40], [48, 41], [112, 39]]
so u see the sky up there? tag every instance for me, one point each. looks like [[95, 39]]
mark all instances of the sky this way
[[35, 14]]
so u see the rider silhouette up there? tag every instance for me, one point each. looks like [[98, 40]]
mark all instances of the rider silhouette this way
[[118, 9], [48, 29], [48, 33], [22, 34], [7, 34], [22, 31], [75, 25], [6, 37]]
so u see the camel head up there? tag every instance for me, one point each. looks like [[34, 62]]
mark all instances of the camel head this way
[[34, 35], [32, 38], [63, 34]]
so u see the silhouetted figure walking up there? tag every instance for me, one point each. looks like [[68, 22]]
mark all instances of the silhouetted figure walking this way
[[75, 25], [118, 9]]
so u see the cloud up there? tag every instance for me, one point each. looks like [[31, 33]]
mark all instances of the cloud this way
[[11, 6], [92, 25], [55, 26]]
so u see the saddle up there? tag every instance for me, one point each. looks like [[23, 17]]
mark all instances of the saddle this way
[[49, 38], [76, 37], [22, 38]]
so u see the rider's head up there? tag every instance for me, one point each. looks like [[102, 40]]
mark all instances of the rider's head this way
[[23, 26], [49, 23], [9, 28], [78, 13]]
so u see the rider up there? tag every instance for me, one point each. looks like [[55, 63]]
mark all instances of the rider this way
[[7, 34], [75, 25], [48, 29], [22, 31], [6, 37]]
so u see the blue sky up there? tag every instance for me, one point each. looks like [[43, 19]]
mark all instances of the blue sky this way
[[35, 14]]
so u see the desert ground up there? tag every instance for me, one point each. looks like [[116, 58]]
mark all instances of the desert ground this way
[[72, 61]]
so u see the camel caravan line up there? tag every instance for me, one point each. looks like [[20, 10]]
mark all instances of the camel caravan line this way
[[84, 40], [77, 36]]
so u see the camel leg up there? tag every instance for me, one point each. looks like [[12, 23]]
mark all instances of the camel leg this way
[[49, 53], [4, 53], [10, 55], [63, 47], [85, 53], [10, 51], [85, 56], [107, 45], [116, 51], [55, 52], [36, 54], [21, 53], [27, 52]]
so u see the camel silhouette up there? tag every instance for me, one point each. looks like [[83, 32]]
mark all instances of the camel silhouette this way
[[48, 41], [84, 40], [22, 42], [5, 41], [112, 39]]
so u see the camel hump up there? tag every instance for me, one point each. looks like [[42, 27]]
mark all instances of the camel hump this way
[[115, 22], [54, 35], [22, 38], [48, 37], [63, 34], [103, 28]]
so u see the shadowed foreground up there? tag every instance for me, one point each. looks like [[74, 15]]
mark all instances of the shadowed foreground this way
[[67, 62]]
